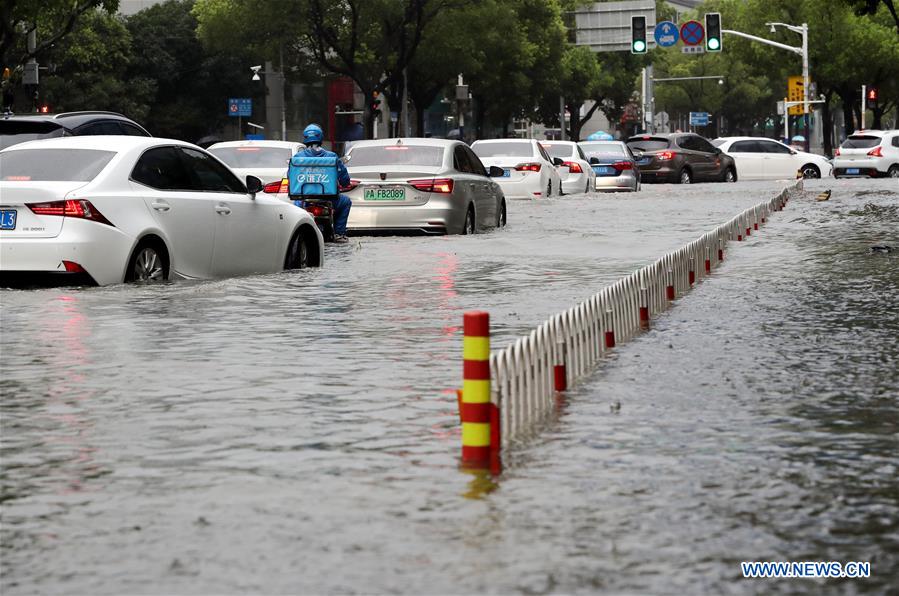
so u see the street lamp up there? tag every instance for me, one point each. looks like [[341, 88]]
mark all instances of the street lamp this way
[[803, 31]]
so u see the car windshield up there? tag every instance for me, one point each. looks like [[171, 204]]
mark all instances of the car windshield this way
[[860, 142], [395, 155], [13, 132], [53, 165], [503, 149], [603, 149], [563, 151], [647, 143], [253, 157]]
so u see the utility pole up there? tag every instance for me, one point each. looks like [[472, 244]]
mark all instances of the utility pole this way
[[562, 135], [864, 105]]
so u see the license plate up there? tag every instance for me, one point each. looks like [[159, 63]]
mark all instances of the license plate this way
[[852, 170], [604, 170], [8, 219], [384, 194], [644, 161], [506, 172]]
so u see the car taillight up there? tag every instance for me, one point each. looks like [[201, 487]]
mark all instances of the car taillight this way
[[875, 152], [527, 167], [573, 167], [439, 185], [78, 208], [276, 187], [353, 184], [666, 155], [623, 165], [837, 152]]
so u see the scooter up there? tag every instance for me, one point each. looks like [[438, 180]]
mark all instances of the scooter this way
[[322, 210]]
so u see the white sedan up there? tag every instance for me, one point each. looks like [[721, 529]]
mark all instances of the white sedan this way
[[758, 158], [105, 210], [267, 160], [577, 175], [528, 170]]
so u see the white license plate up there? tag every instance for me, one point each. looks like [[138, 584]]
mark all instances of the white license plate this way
[[384, 193]]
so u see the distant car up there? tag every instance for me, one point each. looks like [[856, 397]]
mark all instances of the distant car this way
[[870, 153], [104, 210], [267, 160], [15, 128], [614, 164], [681, 158], [575, 171], [431, 186], [758, 158], [528, 170]]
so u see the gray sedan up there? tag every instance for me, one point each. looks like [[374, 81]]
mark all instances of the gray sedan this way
[[614, 164], [431, 186]]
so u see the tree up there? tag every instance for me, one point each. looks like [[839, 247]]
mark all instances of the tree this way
[[870, 7]]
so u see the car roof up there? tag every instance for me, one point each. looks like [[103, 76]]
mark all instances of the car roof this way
[[746, 139], [71, 119], [569, 143], [116, 143], [263, 143], [506, 141], [426, 141], [873, 133]]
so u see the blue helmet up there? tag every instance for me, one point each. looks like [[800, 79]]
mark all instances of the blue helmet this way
[[313, 134]]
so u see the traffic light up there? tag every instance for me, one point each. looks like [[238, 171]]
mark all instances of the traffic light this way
[[713, 41], [44, 109], [871, 96], [375, 102], [638, 35]]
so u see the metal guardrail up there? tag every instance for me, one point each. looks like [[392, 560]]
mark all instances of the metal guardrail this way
[[527, 376]]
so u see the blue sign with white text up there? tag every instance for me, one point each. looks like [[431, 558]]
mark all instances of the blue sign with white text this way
[[666, 34], [240, 106], [699, 118]]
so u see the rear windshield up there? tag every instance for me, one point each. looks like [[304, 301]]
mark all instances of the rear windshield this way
[[600, 149], [13, 132], [860, 142], [647, 143], [53, 165], [563, 151], [503, 149], [396, 155], [253, 157]]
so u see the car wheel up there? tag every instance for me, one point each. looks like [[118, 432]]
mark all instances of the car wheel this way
[[730, 175], [501, 220], [810, 171], [149, 263], [685, 177], [549, 189], [893, 172], [469, 226], [297, 253], [587, 188]]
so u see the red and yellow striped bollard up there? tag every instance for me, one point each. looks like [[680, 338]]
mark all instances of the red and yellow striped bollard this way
[[475, 404]]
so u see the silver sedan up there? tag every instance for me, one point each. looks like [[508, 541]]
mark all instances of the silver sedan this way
[[614, 164], [432, 186]]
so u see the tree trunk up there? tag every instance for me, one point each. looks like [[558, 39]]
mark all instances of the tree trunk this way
[[848, 118], [827, 119]]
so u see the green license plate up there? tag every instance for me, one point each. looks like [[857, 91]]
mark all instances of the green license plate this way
[[385, 194]]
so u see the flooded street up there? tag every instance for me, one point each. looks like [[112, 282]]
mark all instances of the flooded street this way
[[298, 432]]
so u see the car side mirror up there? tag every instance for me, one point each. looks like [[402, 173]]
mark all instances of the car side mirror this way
[[594, 161], [557, 161], [793, 152], [254, 185], [717, 150], [495, 172]]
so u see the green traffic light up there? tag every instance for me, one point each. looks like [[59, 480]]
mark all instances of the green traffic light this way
[[639, 46], [714, 44]]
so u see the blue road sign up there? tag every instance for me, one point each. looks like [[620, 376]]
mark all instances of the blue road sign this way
[[240, 106], [699, 118], [666, 34], [692, 32]]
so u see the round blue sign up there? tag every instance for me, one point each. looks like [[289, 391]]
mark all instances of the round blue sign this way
[[692, 32], [666, 34]]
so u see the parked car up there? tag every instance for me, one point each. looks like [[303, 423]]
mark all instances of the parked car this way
[[576, 174], [16, 128], [431, 186], [681, 157], [104, 210], [868, 153], [267, 160], [528, 170], [614, 164], [758, 158]]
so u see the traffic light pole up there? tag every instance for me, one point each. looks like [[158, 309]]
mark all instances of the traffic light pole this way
[[864, 105]]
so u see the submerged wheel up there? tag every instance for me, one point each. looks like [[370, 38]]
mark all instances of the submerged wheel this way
[[893, 172], [810, 171], [730, 175], [685, 176], [149, 263], [469, 226], [501, 220]]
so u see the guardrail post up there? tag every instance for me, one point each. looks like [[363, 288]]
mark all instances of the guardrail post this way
[[720, 250], [644, 309], [475, 403], [560, 374], [610, 332], [708, 260], [692, 273], [669, 289]]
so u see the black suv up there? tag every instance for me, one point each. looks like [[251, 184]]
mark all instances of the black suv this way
[[20, 128], [682, 157]]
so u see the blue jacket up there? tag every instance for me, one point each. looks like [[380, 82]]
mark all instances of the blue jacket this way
[[343, 177]]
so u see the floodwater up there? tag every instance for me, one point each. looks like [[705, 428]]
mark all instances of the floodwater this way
[[298, 432]]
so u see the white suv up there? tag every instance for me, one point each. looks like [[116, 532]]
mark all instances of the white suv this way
[[868, 153]]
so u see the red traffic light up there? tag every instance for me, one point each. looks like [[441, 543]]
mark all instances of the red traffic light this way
[[872, 94], [45, 109]]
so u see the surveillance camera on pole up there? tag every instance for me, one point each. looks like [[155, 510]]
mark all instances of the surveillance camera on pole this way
[[256, 70]]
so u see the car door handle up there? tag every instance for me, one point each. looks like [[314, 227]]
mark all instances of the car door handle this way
[[160, 205], [223, 209]]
